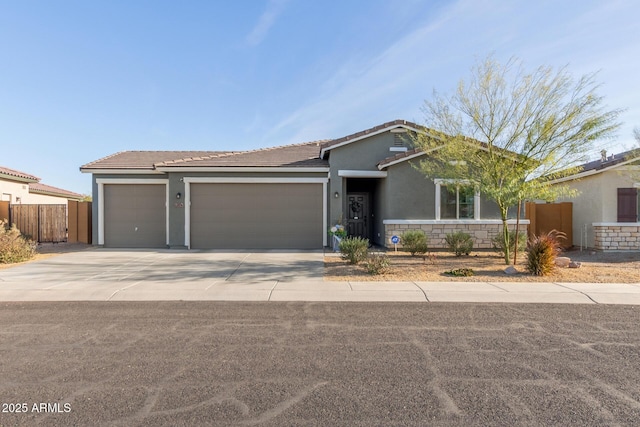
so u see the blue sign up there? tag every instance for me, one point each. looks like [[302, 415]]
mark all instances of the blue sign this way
[[395, 240]]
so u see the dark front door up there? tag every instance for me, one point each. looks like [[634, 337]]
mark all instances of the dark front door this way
[[358, 215]]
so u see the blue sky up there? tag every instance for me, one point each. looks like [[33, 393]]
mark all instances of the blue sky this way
[[80, 80]]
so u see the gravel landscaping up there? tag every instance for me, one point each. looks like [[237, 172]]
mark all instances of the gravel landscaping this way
[[596, 267]]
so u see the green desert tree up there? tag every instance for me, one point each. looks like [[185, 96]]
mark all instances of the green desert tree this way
[[507, 132]]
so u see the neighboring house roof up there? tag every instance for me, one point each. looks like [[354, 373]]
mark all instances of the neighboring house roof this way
[[35, 186], [38, 188], [296, 155], [15, 175], [602, 165]]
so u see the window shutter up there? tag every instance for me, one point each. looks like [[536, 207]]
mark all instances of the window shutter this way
[[627, 205]]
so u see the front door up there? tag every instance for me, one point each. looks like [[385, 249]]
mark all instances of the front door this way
[[358, 215]]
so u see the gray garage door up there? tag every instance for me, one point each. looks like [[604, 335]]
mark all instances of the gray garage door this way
[[256, 216], [135, 216]]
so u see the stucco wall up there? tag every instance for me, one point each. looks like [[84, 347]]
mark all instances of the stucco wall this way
[[21, 190], [597, 202]]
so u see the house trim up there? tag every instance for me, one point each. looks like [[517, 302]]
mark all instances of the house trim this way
[[242, 169], [102, 181], [241, 180], [346, 173], [121, 171], [450, 221], [405, 158]]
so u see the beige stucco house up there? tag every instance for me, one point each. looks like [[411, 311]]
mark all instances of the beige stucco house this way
[[605, 214], [22, 188]]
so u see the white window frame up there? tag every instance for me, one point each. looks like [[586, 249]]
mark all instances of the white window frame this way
[[476, 199]]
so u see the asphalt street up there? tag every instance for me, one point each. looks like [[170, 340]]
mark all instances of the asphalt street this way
[[318, 364]]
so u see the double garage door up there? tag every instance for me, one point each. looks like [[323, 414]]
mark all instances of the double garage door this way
[[222, 216], [256, 216]]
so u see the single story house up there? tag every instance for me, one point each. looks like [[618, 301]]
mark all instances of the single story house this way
[[606, 213], [282, 197], [22, 188]]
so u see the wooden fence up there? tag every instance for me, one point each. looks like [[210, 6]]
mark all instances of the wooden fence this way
[[79, 222], [544, 217], [43, 223]]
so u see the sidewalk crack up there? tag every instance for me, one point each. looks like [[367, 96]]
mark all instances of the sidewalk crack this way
[[575, 290], [422, 290]]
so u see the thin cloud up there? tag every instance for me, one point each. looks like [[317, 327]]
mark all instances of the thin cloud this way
[[265, 22]]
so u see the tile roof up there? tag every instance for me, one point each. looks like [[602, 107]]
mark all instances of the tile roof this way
[[143, 159], [39, 188], [17, 174], [296, 155], [610, 161], [399, 156]]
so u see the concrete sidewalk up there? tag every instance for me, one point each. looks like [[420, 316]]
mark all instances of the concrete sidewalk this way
[[318, 290], [154, 275]]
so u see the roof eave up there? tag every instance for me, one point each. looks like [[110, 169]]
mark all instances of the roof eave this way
[[287, 169], [120, 171]]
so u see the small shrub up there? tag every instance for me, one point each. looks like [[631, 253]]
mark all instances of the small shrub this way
[[354, 249], [414, 241], [498, 242], [377, 264], [460, 272], [542, 252], [13, 246], [460, 243]]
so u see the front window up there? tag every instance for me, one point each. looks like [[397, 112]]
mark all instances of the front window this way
[[457, 202]]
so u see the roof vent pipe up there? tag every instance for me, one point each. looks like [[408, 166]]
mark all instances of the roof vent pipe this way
[[603, 156]]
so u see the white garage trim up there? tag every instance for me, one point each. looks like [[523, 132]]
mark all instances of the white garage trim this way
[[206, 180], [102, 181]]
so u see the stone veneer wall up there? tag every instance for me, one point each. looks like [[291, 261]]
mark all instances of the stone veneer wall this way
[[482, 231], [617, 236]]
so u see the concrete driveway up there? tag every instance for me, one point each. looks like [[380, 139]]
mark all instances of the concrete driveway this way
[[104, 274]]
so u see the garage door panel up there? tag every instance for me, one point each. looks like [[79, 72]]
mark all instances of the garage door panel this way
[[256, 216], [135, 216]]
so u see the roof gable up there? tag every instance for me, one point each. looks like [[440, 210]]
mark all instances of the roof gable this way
[[327, 146]]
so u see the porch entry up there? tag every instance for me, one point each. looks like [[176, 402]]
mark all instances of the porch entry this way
[[358, 215]]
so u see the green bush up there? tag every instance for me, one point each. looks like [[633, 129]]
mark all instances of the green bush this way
[[460, 272], [13, 246], [460, 243], [498, 242], [542, 252], [377, 264], [354, 249], [414, 241]]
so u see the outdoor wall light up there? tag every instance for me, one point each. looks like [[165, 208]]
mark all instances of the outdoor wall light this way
[[178, 195], [336, 195]]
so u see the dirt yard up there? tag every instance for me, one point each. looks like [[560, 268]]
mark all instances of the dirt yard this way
[[597, 267]]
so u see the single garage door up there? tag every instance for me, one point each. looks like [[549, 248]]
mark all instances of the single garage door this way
[[256, 216], [135, 216]]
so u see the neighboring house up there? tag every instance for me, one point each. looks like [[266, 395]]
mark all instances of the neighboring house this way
[[605, 214], [281, 197], [22, 188]]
